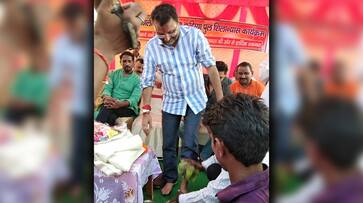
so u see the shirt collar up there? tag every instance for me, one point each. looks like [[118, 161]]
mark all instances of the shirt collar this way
[[342, 190], [247, 185]]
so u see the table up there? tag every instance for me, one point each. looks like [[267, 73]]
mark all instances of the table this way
[[126, 187]]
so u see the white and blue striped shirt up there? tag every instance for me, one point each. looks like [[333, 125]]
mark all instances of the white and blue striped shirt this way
[[181, 71]]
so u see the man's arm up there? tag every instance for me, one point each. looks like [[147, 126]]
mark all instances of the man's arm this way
[[147, 84], [205, 57], [108, 101], [216, 82], [107, 91], [146, 95], [208, 193], [135, 96]]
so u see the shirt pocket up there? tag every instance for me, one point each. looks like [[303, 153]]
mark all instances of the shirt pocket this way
[[167, 67], [188, 64]]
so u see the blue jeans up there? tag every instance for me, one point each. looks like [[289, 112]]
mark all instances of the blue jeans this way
[[170, 125], [207, 151]]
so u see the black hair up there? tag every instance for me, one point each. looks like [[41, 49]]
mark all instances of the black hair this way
[[335, 126], [127, 53], [141, 60], [222, 67], [244, 64], [72, 10], [242, 123], [163, 13], [213, 171], [314, 65]]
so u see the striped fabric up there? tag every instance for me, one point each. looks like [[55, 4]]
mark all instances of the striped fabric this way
[[181, 70]]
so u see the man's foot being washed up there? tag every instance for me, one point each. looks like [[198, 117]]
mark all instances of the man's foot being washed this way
[[184, 186], [168, 187]]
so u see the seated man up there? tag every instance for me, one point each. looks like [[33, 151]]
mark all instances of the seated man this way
[[340, 84], [139, 66], [222, 70], [225, 82], [30, 90], [240, 151], [333, 141], [244, 82], [222, 67], [122, 93], [238, 126]]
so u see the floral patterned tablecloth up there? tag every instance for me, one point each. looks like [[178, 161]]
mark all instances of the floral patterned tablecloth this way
[[128, 186]]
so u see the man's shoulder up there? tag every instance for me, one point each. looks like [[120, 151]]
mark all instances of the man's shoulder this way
[[117, 71], [188, 28], [190, 31], [151, 42], [258, 83], [227, 81], [232, 193], [62, 41], [136, 77]]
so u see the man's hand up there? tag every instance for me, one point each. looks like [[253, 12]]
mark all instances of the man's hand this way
[[173, 201], [146, 123], [216, 82], [116, 104], [176, 199], [108, 101], [196, 164], [109, 25]]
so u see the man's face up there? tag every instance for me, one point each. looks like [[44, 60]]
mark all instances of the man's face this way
[[139, 67], [244, 75], [168, 33], [222, 75], [76, 27], [127, 63]]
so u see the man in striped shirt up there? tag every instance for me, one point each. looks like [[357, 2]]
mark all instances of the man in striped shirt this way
[[178, 52]]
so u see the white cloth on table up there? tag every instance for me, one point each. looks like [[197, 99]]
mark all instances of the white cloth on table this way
[[118, 155], [24, 155]]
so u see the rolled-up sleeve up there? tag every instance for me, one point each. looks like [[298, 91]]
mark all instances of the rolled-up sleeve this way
[[204, 52], [148, 75], [58, 69]]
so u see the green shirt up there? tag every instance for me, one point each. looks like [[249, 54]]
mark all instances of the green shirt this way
[[31, 86], [125, 88]]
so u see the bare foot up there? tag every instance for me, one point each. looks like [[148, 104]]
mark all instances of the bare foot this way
[[184, 186], [168, 187]]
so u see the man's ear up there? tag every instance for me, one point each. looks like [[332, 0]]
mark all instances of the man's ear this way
[[312, 150], [219, 148]]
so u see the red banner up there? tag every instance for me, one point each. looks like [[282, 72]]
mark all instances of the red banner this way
[[221, 34]]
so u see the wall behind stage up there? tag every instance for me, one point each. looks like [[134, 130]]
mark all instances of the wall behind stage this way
[[247, 15]]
